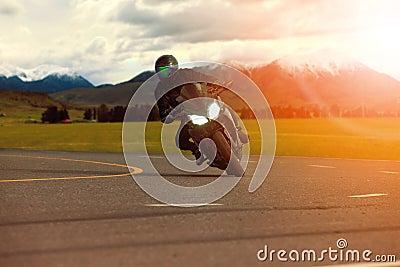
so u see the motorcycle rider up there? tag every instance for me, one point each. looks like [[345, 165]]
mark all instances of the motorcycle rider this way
[[167, 69]]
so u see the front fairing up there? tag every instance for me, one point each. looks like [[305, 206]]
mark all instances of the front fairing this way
[[196, 101]]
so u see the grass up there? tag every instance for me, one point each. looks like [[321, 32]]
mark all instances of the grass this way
[[80, 137], [21, 105], [344, 138]]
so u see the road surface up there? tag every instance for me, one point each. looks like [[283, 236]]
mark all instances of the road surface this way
[[84, 209]]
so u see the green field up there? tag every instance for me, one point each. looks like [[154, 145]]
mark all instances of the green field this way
[[345, 138], [20, 106]]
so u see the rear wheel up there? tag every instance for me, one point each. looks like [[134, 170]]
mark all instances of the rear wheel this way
[[224, 150]]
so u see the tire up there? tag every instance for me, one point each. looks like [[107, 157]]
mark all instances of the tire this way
[[224, 150]]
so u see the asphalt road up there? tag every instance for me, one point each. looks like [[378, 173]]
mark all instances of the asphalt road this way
[[72, 209]]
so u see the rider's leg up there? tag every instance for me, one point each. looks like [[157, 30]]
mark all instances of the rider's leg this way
[[244, 138], [182, 140]]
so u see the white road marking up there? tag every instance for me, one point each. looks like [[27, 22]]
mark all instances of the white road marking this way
[[389, 172], [137, 170], [369, 264], [369, 195], [152, 157], [348, 159], [134, 170], [167, 205], [64, 178], [322, 166]]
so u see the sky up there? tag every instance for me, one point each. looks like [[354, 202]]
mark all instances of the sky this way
[[112, 41]]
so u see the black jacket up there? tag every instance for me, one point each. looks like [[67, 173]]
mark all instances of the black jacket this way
[[167, 97]]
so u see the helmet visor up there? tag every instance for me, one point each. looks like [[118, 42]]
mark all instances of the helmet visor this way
[[166, 71]]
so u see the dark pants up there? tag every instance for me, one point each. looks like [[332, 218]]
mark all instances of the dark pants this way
[[183, 139]]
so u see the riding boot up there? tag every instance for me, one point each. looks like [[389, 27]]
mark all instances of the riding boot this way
[[244, 138], [199, 157]]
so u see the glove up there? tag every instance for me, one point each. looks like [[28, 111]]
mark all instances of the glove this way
[[170, 118]]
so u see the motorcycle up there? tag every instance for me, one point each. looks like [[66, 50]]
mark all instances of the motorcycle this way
[[212, 127]]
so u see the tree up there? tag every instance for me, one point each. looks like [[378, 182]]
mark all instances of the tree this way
[[335, 110], [87, 115], [154, 114], [63, 115], [102, 114], [51, 115], [117, 114]]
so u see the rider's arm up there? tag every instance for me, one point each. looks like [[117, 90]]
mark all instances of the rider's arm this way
[[164, 108], [163, 103]]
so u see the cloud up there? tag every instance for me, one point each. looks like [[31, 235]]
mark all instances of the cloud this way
[[110, 41], [202, 21], [10, 8], [97, 46]]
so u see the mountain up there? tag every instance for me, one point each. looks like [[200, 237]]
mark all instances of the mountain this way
[[325, 82], [44, 78], [142, 77], [23, 105], [37, 73], [104, 85], [110, 95], [119, 94], [306, 81]]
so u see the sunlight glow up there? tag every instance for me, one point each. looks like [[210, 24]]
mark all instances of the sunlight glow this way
[[385, 35]]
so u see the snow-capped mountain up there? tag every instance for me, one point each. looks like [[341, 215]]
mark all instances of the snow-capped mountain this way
[[35, 74], [324, 81], [318, 64], [294, 81], [43, 78]]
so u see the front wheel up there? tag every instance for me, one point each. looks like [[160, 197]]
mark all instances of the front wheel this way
[[224, 150]]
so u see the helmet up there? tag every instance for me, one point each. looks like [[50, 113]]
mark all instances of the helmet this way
[[166, 65]]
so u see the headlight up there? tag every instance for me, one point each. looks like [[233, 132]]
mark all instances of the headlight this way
[[213, 110], [198, 120]]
